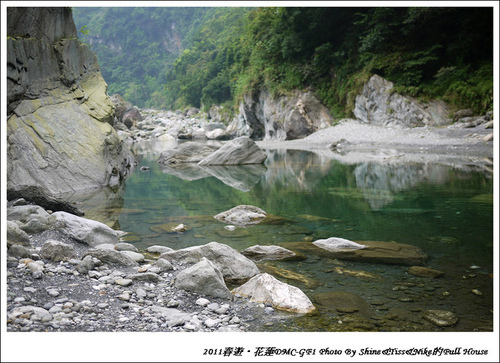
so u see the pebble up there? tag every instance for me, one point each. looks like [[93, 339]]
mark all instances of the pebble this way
[[53, 293], [123, 282], [202, 301]]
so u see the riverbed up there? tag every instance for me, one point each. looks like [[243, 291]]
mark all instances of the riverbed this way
[[442, 204]]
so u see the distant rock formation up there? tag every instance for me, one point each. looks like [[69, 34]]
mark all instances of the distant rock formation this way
[[282, 118], [380, 104], [59, 134]]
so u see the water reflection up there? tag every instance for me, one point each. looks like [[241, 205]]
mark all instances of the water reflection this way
[[442, 206]]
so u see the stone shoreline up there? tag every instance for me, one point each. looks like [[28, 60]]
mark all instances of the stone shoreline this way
[[57, 282]]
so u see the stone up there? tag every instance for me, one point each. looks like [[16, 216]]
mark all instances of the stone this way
[[239, 151], [16, 235], [159, 249], [234, 266], [488, 137], [203, 278], [19, 251], [84, 230], [163, 265], [124, 282], [145, 276], [111, 257], [57, 251], [374, 252], [217, 134], [137, 257], [261, 253], [122, 246], [105, 246], [242, 215], [264, 288], [463, 113], [188, 152], [202, 301], [440, 317], [172, 317], [85, 265], [131, 117], [335, 244], [211, 323], [424, 272], [344, 302]]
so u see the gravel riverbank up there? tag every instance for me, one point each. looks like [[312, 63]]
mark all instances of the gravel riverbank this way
[[352, 135]]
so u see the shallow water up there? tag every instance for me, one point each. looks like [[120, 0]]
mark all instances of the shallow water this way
[[446, 210]]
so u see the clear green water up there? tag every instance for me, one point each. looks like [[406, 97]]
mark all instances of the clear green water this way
[[447, 211]]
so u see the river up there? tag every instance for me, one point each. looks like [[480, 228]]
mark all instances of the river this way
[[446, 209]]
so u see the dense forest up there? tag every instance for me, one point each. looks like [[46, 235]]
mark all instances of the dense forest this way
[[178, 57]]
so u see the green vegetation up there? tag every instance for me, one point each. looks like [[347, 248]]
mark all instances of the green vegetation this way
[[179, 57]]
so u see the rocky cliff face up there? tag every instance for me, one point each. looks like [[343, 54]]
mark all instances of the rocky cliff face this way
[[284, 118], [59, 134], [380, 104]]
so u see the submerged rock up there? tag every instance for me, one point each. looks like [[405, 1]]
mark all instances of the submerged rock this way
[[424, 272], [440, 317], [264, 288], [344, 302], [261, 253], [335, 244], [381, 252], [242, 215]]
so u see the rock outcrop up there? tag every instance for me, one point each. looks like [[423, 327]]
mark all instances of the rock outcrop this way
[[379, 104], [59, 134], [282, 118]]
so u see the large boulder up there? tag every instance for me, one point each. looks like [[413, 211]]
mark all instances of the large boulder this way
[[239, 151], [379, 104], [188, 152], [84, 230], [59, 136], [284, 117], [233, 265], [203, 278], [264, 288]]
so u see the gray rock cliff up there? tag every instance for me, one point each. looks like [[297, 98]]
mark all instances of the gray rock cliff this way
[[380, 104], [283, 118], [59, 134]]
